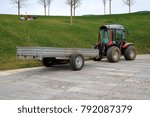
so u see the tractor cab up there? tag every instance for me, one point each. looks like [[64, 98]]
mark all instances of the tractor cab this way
[[112, 43], [111, 35]]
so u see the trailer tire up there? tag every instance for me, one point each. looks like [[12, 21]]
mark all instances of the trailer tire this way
[[48, 62], [113, 54], [76, 62], [130, 53]]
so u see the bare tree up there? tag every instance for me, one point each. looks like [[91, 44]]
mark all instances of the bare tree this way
[[49, 4], [129, 3], [44, 4], [19, 3], [75, 4], [104, 2], [70, 3]]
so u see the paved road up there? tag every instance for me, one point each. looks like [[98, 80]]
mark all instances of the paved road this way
[[97, 80]]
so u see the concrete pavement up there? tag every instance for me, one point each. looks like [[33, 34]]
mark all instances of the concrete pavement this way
[[96, 81]]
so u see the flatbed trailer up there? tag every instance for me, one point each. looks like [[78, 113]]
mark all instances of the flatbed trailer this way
[[50, 55], [111, 43]]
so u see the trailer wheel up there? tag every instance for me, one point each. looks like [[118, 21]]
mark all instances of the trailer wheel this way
[[130, 53], [76, 62], [113, 54], [48, 62]]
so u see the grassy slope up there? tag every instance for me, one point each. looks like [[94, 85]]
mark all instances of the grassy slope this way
[[57, 32]]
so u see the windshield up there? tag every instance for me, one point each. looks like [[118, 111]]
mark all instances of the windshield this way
[[104, 36], [118, 35]]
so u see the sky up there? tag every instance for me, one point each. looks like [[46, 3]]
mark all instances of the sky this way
[[59, 7]]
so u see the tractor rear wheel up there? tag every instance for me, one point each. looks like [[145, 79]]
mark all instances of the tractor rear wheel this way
[[113, 54], [76, 62], [130, 53], [48, 62]]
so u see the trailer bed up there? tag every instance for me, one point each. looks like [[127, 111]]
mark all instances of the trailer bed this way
[[44, 52]]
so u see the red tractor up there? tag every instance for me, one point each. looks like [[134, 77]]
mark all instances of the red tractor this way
[[112, 43]]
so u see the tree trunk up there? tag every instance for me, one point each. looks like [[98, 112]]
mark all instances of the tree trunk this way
[[104, 9], [45, 11], [18, 7], [110, 7], [129, 9], [49, 10], [18, 10], [71, 13], [45, 7], [74, 11]]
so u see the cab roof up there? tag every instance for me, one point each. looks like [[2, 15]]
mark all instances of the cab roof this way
[[112, 26]]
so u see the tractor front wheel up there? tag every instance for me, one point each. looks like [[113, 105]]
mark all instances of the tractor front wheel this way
[[130, 53], [113, 54]]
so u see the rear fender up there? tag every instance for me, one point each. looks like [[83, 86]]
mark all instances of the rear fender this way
[[126, 45]]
